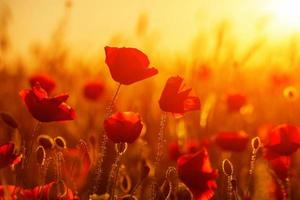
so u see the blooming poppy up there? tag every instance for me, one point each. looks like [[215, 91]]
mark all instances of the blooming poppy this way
[[196, 172], [123, 127], [128, 65], [235, 101], [283, 140], [93, 90], [232, 140], [44, 108], [176, 99], [8, 156], [46, 82]]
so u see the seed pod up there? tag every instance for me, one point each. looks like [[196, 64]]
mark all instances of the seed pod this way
[[45, 141], [60, 142]]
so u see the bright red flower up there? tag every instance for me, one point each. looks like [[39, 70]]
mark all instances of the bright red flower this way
[[176, 99], [196, 172], [47, 109], [280, 79], [232, 140], [235, 102], [123, 127], [93, 90], [8, 155], [46, 82], [283, 140], [281, 166], [128, 65]]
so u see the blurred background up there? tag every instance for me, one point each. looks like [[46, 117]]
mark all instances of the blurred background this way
[[220, 47]]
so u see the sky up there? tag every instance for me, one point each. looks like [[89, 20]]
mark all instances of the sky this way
[[92, 23]]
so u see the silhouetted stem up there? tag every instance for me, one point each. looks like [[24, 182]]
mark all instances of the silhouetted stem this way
[[103, 142], [159, 152]]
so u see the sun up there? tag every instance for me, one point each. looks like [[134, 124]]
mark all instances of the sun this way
[[286, 13]]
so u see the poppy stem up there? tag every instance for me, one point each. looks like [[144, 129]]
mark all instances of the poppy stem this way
[[120, 149], [159, 153], [103, 143]]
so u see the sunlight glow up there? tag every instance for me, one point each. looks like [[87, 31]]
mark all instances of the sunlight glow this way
[[286, 13]]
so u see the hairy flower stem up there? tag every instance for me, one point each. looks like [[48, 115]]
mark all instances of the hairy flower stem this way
[[103, 143], [159, 153], [256, 144], [120, 149]]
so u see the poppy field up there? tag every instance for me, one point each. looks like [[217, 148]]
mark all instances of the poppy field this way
[[218, 120]]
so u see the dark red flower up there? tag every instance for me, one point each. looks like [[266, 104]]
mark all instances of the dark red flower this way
[[46, 82], [8, 156], [128, 65], [45, 192], [44, 108], [235, 101], [176, 99], [232, 140], [123, 127], [283, 140], [93, 90], [77, 164], [281, 166], [196, 172]]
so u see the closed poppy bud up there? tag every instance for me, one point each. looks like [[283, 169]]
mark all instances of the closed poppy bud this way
[[232, 140], [93, 90], [196, 173], [176, 99], [235, 102], [123, 127], [283, 140], [45, 141], [60, 142], [46, 82], [47, 109], [128, 65]]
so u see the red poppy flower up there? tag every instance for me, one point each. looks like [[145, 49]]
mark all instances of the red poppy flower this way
[[45, 192], [93, 90], [123, 127], [283, 140], [176, 99], [196, 172], [281, 166], [8, 155], [232, 141], [44, 108], [46, 82], [235, 102], [128, 65], [77, 164]]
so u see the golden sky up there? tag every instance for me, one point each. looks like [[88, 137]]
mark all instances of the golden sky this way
[[93, 23]]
